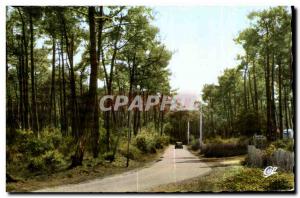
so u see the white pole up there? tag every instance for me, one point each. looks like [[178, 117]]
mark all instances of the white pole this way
[[188, 133]]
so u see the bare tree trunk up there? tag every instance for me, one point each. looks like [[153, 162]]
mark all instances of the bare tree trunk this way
[[35, 124], [20, 74], [292, 61], [256, 95], [70, 51], [268, 93], [245, 86], [286, 108], [273, 107], [93, 103], [52, 106], [64, 98], [25, 84], [280, 100], [61, 96]]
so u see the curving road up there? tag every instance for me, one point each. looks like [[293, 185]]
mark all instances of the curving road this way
[[175, 165]]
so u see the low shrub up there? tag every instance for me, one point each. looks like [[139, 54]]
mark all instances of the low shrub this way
[[267, 154], [50, 161], [43, 153], [149, 141], [278, 183], [109, 156], [68, 147], [195, 144], [152, 145], [223, 149], [52, 136], [134, 152], [214, 140], [232, 140], [251, 179], [35, 147], [141, 143], [36, 164], [30, 145], [53, 160], [260, 143], [161, 141], [286, 144]]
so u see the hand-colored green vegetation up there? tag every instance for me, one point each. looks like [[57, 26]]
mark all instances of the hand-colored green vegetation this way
[[44, 161], [256, 96], [251, 179], [56, 57], [218, 147], [61, 60]]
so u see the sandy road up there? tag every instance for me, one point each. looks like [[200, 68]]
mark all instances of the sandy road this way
[[175, 165]]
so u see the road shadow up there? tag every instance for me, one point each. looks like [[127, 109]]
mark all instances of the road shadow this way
[[190, 161], [213, 162], [186, 158]]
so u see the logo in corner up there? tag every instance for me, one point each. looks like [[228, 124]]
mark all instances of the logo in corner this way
[[270, 170]]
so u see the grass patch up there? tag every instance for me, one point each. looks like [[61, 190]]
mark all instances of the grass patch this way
[[251, 179], [286, 144]]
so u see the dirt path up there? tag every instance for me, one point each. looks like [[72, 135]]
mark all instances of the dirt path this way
[[175, 165]]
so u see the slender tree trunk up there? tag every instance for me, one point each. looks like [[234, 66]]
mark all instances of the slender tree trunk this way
[[273, 107], [110, 88], [25, 85], [81, 83], [64, 101], [290, 116], [256, 95], [20, 74], [292, 64], [245, 88], [35, 124], [61, 97], [91, 121], [268, 92], [280, 100], [52, 105], [286, 109], [93, 104], [70, 51], [250, 90]]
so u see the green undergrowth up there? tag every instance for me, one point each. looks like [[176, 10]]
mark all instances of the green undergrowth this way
[[37, 162]]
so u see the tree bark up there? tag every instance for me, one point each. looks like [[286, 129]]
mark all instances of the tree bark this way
[[93, 103], [52, 93], [25, 84], [256, 95], [73, 106], [64, 96], [280, 99], [35, 124], [273, 107]]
